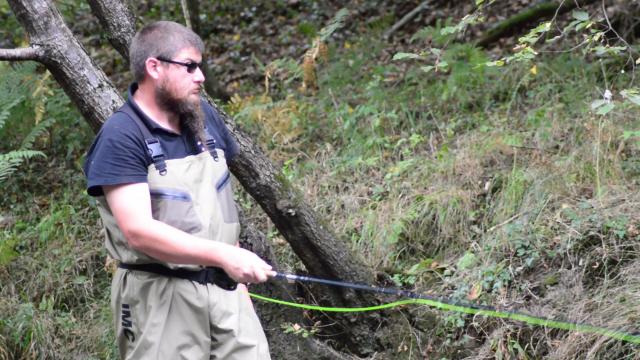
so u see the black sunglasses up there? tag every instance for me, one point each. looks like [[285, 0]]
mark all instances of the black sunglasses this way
[[191, 66]]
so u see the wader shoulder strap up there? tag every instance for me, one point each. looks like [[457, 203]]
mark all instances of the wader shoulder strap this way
[[154, 149], [211, 144]]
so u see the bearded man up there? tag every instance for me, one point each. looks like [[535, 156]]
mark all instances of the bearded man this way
[[158, 169]]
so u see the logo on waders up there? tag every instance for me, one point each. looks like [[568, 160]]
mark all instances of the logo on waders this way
[[127, 323]]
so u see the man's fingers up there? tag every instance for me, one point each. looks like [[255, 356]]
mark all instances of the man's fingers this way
[[250, 268], [265, 274]]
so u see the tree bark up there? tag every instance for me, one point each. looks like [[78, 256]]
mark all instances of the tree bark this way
[[118, 20], [21, 54], [95, 96]]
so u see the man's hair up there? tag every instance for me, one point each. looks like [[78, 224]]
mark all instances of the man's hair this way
[[160, 39]]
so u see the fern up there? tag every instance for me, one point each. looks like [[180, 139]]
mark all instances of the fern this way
[[10, 161], [37, 130], [336, 23], [6, 110], [17, 83]]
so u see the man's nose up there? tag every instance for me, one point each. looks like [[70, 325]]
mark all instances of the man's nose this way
[[199, 75]]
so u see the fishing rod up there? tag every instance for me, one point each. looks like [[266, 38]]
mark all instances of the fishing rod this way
[[380, 290], [442, 304]]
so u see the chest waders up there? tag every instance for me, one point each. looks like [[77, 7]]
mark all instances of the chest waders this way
[[176, 311]]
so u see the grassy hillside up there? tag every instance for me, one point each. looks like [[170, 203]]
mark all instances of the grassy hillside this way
[[493, 186], [496, 186]]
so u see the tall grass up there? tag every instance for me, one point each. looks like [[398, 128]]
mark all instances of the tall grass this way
[[459, 183]]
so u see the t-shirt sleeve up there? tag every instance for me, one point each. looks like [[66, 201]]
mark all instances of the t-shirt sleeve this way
[[221, 133], [117, 156]]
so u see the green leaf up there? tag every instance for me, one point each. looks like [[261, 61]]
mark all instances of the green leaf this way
[[572, 25], [583, 25], [597, 103], [627, 134], [604, 110], [580, 15], [631, 95], [427, 68], [36, 132], [495, 63], [403, 55], [10, 161], [8, 250], [6, 110], [466, 261], [608, 50], [448, 30], [79, 280]]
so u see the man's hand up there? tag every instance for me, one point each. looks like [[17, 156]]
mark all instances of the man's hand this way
[[244, 266]]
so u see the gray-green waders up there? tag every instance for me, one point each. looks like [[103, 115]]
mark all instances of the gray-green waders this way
[[160, 317]]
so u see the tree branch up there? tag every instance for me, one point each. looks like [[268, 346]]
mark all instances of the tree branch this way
[[187, 15], [21, 54], [405, 19], [117, 19]]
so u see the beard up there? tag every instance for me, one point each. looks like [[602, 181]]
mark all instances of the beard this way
[[189, 113]]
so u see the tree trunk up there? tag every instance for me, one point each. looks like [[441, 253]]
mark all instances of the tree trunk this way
[[53, 44]]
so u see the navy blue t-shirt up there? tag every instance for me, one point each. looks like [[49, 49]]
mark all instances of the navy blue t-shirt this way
[[118, 154]]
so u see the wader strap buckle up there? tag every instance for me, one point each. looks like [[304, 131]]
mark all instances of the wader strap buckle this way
[[211, 144], [157, 155], [154, 149], [209, 275]]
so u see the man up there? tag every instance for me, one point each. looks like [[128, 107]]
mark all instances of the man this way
[[158, 170]]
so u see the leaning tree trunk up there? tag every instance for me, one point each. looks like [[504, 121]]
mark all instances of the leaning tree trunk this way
[[53, 44]]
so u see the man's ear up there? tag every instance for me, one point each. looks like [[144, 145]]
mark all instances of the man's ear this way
[[152, 68]]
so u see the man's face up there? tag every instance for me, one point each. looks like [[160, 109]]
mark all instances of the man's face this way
[[178, 90], [178, 86]]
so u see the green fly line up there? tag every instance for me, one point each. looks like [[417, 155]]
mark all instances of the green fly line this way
[[443, 305]]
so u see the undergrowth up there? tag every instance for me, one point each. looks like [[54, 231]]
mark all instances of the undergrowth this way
[[54, 293], [496, 187]]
